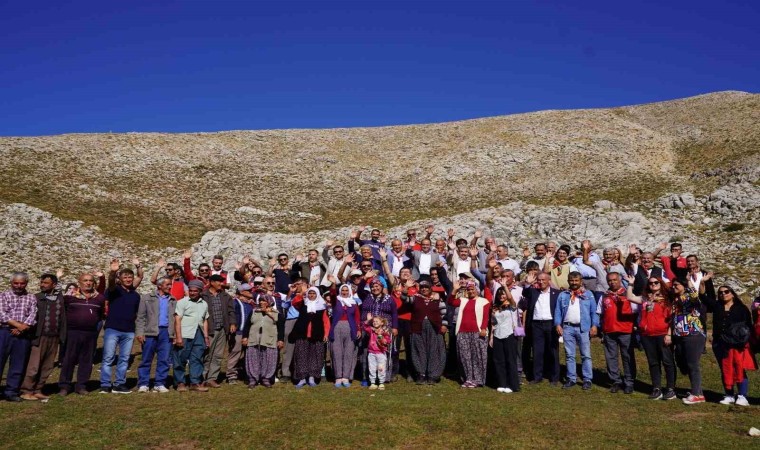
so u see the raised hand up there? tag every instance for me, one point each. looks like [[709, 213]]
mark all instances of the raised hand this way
[[632, 249], [246, 260], [115, 264], [491, 262], [331, 278], [450, 233], [362, 228], [136, 261], [188, 253], [456, 286], [707, 276], [439, 263], [349, 258], [272, 263], [409, 283], [59, 273], [98, 273], [586, 244], [429, 229], [383, 252], [383, 238], [238, 266], [299, 257], [530, 278], [352, 236], [630, 279], [161, 262], [526, 252], [662, 246], [492, 248], [478, 233], [329, 243], [473, 252]]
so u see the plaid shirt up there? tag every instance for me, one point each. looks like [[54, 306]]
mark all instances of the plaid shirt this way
[[21, 308]]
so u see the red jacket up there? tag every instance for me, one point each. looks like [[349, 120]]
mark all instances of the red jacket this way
[[617, 313], [655, 318]]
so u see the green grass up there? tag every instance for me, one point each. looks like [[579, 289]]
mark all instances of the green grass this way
[[403, 416]]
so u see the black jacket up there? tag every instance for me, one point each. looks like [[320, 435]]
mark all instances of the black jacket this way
[[640, 281], [528, 303], [228, 310]]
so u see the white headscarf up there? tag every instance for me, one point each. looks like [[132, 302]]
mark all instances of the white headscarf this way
[[318, 304], [349, 301]]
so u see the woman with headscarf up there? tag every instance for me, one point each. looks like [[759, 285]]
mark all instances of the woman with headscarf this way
[[260, 338], [344, 334], [732, 327], [309, 335], [471, 334], [428, 324]]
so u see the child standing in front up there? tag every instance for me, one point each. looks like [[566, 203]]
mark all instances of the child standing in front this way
[[377, 357]]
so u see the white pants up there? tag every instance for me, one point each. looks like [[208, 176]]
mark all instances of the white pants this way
[[377, 363]]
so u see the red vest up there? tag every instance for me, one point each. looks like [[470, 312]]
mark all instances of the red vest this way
[[617, 314]]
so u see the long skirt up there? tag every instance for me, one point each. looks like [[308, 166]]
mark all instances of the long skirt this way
[[428, 352], [343, 351], [309, 358], [260, 363], [473, 357]]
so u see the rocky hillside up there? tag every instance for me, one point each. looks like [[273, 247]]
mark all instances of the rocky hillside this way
[[684, 169]]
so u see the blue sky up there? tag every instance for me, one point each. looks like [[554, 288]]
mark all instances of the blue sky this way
[[205, 66]]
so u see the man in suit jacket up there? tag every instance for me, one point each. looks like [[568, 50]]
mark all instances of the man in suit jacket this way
[[646, 270], [538, 321], [311, 269], [424, 260]]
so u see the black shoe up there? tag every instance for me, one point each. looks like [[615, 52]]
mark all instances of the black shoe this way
[[285, 379], [670, 394], [628, 390], [554, 383], [122, 389], [614, 389], [421, 380], [535, 381], [656, 394], [13, 398], [568, 384], [586, 385], [105, 390]]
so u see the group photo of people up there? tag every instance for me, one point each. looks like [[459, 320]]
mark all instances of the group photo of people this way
[[373, 311]]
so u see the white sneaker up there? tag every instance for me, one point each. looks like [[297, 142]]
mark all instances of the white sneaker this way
[[502, 390], [694, 399], [727, 400], [160, 389], [742, 400], [142, 389], [507, 391], [276, 380]]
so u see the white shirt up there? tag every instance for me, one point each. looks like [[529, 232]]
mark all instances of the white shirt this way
[[397, 263], [504, 323], [573, 315], [463, 266], [315, 275], [695, 278], [511, 264], [543, 309], [424, 267]]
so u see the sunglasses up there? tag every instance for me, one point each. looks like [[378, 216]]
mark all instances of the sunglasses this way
[[724, 292], [366, 267], [268, 282], [282, 259], [169, 269], [654, 283]]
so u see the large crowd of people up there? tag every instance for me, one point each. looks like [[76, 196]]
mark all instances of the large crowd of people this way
[[344, 313]]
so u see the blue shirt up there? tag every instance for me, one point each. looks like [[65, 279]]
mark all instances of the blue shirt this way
[[163, 310], [292, 313], [586, 271]]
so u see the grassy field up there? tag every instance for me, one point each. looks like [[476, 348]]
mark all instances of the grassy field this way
[[403, 416]]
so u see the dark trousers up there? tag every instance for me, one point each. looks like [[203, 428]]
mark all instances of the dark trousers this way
[[80, 347], [16, 349], [545, 350], [659, 355], [505, 360], [620, 345], [404, 333], [691, 348]]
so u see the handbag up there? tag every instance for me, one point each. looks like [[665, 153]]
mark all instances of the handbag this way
[[518, 330], [737, 335]]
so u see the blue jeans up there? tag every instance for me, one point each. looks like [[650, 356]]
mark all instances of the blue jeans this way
[[160, 346], [15, 351], [572, 335], [192, 351], [111, 339]]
